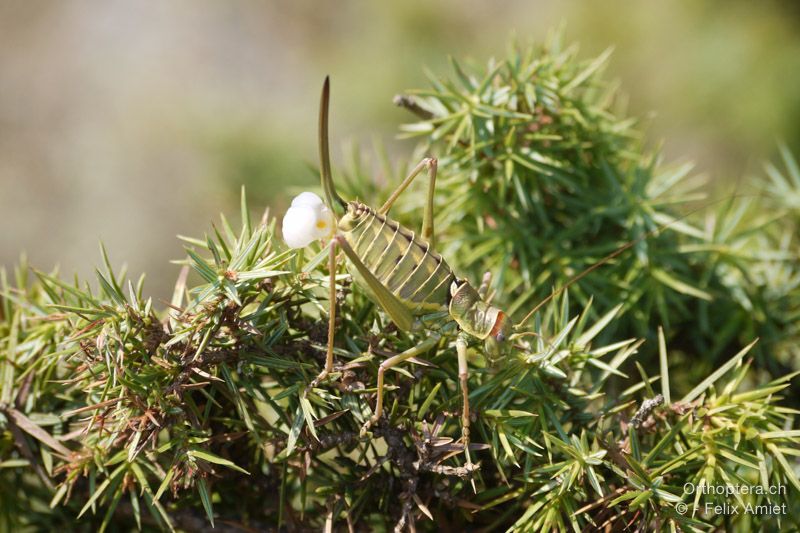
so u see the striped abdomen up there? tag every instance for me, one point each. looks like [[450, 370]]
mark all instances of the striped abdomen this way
[[417, 275]]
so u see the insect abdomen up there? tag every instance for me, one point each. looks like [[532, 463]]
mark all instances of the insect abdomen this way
[[418, 276]]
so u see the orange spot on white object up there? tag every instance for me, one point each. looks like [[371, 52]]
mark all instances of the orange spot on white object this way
[[307, 220]]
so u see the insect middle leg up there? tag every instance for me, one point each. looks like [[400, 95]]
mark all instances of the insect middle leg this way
[[393, 361]]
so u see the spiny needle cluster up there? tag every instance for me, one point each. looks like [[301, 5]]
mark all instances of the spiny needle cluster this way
[[117, 411]]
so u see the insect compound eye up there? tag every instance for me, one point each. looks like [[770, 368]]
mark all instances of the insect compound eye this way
[[500, 337]]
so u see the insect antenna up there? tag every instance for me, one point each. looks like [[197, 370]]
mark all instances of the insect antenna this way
[[618, 251]]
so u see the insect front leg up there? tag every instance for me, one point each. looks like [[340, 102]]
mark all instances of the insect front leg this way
[[463, 375], [484, 287], [331, 318], [393, 361]]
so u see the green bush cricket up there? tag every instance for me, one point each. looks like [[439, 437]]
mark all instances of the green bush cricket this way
[[414, 285], [403, 274]]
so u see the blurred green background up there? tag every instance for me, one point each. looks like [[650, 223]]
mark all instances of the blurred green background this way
[[130, 123]]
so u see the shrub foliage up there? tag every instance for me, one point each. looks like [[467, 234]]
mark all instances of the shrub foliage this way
[[119, 410]]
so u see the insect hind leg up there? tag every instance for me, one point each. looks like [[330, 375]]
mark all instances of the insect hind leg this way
[[432, 165], [331, 319], [399, 314]]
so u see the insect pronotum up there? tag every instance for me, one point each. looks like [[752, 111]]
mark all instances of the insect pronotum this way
[[416, 287]]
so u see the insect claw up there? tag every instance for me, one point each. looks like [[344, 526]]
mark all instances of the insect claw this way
[[469, 466], [317, 380], [367, 425]]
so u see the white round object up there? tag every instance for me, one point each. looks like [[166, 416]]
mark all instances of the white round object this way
[[307, 198], [306, 221]]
